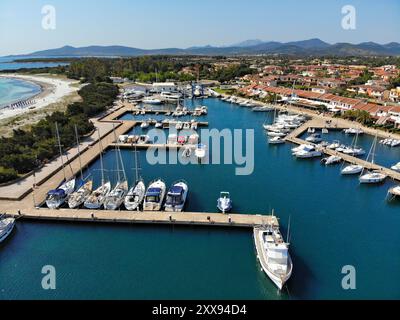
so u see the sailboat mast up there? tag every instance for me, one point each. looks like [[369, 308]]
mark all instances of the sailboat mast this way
[[101, 159], [116, 155], [79, 152], [136, 165], [288, 232], [61, 155]]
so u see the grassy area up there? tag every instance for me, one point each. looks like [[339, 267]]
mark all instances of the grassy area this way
[[225, 91]]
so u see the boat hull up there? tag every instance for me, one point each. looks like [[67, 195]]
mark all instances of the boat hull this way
[[279, 281], [7, 233]]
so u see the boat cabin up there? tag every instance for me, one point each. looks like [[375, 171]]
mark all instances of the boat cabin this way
[[153, 195], [175, 196]]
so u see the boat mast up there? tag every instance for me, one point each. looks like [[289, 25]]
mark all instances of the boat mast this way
[[79, 152], [288, 232], [116, 155], [136, 164], [101, 158], [61, 155]]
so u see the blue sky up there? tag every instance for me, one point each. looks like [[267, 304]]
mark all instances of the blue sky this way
[[184, 23]]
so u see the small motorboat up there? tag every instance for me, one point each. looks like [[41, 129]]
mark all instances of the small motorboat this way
[[276, 140], [353, 131], [224, 203], [187, 152], [308, 152], [186, 126], [56, 198], [314, 138], [151, 100], [396, 167], [394, 192], [201, 151], [143, 139], [158, 125], [155, 195], [6, 227], [352, 169], [331, 160], [135, 196], [276, 134], [145, 125], [77, 198], [334, 145], [176, 197]]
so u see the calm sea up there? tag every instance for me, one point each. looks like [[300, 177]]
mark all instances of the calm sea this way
[[12, 90], [335, 222], [6, 63]]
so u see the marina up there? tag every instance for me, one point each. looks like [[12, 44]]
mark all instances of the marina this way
[[202, 198]]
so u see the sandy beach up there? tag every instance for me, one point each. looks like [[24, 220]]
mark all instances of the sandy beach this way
[[53, 90]]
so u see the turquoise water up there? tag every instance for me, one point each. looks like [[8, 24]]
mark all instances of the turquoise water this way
[[13, 90], [335, 222]]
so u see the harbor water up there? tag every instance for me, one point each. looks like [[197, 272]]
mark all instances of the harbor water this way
[[335, 222]]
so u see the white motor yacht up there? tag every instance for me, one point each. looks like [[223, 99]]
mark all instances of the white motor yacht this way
[[314, 138], [276, 140], [308, 152], [155, 195], [56, 198], [273, 255], [352, 169], [331, 160], [6, 227], [396, 167], [176, 197]]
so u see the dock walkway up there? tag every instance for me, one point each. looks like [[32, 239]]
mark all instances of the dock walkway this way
[[318, 124], [184, 218]]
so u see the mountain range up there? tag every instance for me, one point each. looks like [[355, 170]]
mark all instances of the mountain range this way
[[315, 47]]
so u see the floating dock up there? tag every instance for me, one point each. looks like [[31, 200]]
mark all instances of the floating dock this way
[[293, 138], [165, 218]]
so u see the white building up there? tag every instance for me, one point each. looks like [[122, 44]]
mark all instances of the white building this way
[[164, 87]]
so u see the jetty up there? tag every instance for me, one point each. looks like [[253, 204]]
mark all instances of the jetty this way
[[164, 218], [317, 124], [26, 202]]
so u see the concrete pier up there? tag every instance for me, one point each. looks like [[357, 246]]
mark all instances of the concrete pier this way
[[166, 218]]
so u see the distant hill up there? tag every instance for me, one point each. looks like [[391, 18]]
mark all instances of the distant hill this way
[[248, 47]]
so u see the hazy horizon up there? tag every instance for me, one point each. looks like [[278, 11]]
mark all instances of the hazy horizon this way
[[183, 24]]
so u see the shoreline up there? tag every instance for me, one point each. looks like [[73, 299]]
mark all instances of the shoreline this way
[[52, 91]]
